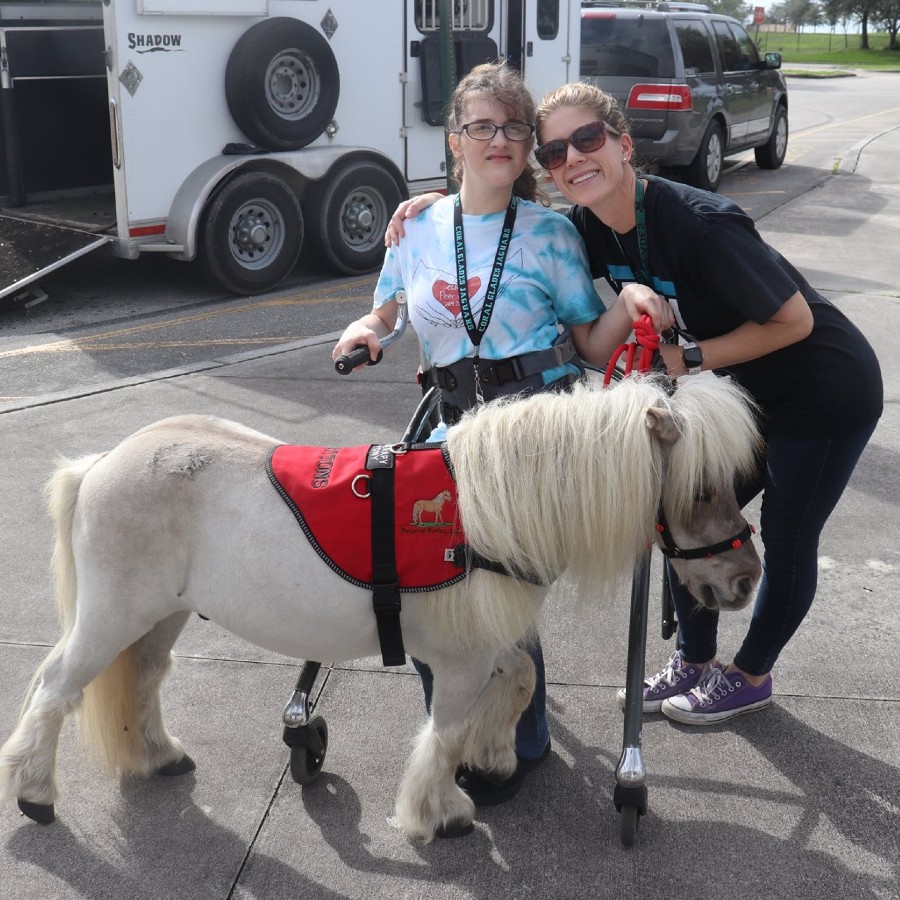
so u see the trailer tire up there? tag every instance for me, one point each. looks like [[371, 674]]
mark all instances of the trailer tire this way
[[282, 84], [251, 233], [348, 211]]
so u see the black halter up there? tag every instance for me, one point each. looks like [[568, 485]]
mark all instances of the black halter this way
[[671, 549]]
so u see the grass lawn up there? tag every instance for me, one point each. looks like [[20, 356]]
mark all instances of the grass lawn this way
[[830, 49]]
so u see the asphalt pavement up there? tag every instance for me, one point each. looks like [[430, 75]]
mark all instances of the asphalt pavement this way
[[801, 800]]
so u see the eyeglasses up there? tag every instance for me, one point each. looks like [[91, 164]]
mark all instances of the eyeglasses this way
[[586, 139], [485, 131]]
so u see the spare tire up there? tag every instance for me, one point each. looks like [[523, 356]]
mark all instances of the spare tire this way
[[282, 84]]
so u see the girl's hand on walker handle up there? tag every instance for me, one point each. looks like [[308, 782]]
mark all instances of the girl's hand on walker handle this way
[[357, 347], [408, 209]]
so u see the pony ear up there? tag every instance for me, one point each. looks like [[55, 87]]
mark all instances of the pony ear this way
[[662, 423]]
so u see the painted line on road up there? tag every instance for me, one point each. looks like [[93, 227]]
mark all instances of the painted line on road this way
[[844, 123], [89, 343], [18, 404]]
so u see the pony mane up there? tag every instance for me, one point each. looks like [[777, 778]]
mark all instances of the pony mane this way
[[719, 440], [561, 480], [572, 481]]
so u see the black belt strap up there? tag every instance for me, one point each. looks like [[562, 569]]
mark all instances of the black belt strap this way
[[514, 368], [385, 590]]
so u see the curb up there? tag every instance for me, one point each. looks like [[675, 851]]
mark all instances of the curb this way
[[846, 164]]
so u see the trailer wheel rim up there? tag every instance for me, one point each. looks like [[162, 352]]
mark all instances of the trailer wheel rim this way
[[292, 84], [363, 219], [257, 234]]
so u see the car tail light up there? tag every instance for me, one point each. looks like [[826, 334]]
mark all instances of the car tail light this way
[[671, 97]]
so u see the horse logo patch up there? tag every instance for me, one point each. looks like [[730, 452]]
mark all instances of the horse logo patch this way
[[431, 506]]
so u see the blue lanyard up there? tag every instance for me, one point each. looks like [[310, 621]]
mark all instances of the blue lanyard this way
[[643, 273], [476, 331]]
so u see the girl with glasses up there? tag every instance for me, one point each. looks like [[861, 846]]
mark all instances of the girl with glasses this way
[[501, 298]]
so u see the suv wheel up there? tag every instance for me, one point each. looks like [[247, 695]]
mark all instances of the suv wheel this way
[[706, 170], [771, 154]]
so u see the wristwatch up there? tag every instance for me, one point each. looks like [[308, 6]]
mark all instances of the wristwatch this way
[[692, 357]]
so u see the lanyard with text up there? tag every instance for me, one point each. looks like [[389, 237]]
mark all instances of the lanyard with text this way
[[643, 274], [476, 331]]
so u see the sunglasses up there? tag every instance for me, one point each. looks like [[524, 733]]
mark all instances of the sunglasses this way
[[586, 139]]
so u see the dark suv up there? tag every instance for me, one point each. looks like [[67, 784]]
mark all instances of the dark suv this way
[[691, 83]]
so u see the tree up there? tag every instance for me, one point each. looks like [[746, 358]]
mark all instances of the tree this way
[[835, 11], [886, 14], [777, 14], [802, 12], [862, 10], [737, 9]]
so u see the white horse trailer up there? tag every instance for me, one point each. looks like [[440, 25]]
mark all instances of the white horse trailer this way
[[231, 131]]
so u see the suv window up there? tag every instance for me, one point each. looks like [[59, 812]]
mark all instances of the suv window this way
[[696, 49], [640, 47], [749, 53], [728, 47], [738, 50]]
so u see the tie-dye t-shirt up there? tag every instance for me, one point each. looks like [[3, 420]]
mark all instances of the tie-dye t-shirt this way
[[545, 281]]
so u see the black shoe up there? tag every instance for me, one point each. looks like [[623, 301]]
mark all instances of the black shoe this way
[[485, 792]]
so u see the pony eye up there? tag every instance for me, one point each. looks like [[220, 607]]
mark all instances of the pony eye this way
[[704, 495]]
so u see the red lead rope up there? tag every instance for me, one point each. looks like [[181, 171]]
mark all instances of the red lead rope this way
[[647, 338]]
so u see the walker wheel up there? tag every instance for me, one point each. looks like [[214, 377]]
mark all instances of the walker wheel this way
[[628, 825], [308, 751]]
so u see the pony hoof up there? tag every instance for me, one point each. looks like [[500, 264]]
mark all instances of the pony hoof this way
[[42, 813], [455, 829], [179, 767]]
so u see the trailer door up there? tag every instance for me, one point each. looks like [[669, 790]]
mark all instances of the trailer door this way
[[476, 31], [548, 35]]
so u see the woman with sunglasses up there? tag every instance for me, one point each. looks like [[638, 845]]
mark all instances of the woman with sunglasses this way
[[499, 293], [749, 312], [746, 311]]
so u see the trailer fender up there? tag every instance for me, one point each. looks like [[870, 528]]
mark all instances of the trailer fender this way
[[282, 83]]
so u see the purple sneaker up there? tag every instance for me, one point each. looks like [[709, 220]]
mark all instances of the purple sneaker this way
[[718, 697], [677, 677]]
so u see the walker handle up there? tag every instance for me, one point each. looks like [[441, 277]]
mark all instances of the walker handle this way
[[345, 364]]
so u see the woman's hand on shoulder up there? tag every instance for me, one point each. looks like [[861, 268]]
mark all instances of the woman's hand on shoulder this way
[[640, 300], [408, 209]]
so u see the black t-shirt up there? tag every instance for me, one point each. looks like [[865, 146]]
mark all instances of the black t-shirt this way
[[707, 258]]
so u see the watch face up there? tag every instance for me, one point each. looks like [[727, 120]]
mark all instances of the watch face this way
[[692, 357]]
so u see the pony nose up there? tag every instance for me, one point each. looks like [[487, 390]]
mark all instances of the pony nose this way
[[743, 588]]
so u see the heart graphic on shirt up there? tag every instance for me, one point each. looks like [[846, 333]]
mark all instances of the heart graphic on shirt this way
[[448, 294]]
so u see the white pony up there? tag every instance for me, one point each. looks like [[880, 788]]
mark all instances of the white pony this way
[[555, 483]]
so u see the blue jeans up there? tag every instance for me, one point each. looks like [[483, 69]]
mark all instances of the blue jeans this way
[[801, 484], [532, 732]]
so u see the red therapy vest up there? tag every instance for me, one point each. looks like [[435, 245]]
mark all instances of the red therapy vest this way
[[323, 488]]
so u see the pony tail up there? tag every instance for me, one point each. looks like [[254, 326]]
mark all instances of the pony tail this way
[[103, 714], [62, 495]]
